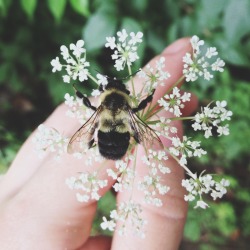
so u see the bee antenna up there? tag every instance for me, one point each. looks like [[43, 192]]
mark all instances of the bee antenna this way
[[130, 75]]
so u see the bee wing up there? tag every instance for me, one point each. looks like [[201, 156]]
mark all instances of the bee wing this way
[[84, 136], [143, 133]]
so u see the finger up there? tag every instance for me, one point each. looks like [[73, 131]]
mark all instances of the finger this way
[[166, 224], [97, 242], [45, 207]]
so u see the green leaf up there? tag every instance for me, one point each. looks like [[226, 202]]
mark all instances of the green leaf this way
[[236, 20], [156, 42], [29, 7], [192, 230], [234, 54], [213, 7], [81, 6], [4, 6], [99, 26], [226, 218], [139, 5], [130, 25], [208, 15], [57, 8]]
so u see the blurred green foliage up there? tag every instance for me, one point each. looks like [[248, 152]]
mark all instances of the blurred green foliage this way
[[32, 31]]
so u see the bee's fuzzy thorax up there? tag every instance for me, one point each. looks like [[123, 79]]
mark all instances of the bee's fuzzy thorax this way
[[115, 94]]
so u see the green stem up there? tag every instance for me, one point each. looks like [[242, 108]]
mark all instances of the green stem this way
[[92, 78], [153, 122], [178, 82], [184, 167], [134, 167], [131, 79], [181, 118]]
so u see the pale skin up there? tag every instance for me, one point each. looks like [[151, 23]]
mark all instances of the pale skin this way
[[38, 211]]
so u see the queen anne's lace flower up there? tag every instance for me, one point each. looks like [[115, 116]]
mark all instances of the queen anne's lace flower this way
[[185, 149], [126, 213], [89, 184], [199, 65], [123, 175], [154, 75], [174, 102], [76, 109], [204, 184], [50, 140], [213, 117], [125, 50], [76, 66]]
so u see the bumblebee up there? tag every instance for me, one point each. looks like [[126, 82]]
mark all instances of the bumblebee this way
[[114, 122]]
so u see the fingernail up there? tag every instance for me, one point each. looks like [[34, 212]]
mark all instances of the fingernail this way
[[177, 46]]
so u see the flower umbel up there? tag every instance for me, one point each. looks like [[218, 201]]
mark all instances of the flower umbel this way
[[127, 213], [125, 49], [76, 65], [174, 102], [89, 184], [199, 63], [50, 140], [204, 184], [213, 117]]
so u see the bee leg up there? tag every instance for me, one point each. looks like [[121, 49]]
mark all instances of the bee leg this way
[[85, 100], [101, 88], [91, 143], [144, 103], [136, 137]]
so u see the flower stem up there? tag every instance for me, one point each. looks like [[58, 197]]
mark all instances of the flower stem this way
[[132, 81], [93, 78], [189, 172], [181, 118], [176, 83]]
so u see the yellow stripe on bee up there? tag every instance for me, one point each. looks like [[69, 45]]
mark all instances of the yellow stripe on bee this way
[[118, 122]]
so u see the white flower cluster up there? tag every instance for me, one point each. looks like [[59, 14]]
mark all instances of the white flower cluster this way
[[198, 64], [76, 66], [124, 175], [89, 184], [76, 108], [152, 185], [185, 148], [125, 49], [174, 102], [101, 81], [165, 128], [213, 117], [155, 75], [49, 140], [204, 184], [126, 213]]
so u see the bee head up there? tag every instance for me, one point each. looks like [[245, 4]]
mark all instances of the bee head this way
[[117, 84]]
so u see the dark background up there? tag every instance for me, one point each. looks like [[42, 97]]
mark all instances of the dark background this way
[[31, 33]]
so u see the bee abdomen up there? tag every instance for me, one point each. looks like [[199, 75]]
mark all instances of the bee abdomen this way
[[113, 145]]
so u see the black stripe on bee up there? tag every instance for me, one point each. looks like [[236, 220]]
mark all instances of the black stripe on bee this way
[[113, 145]]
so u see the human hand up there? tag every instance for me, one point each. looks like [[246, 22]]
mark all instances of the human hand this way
[[38, 211]]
